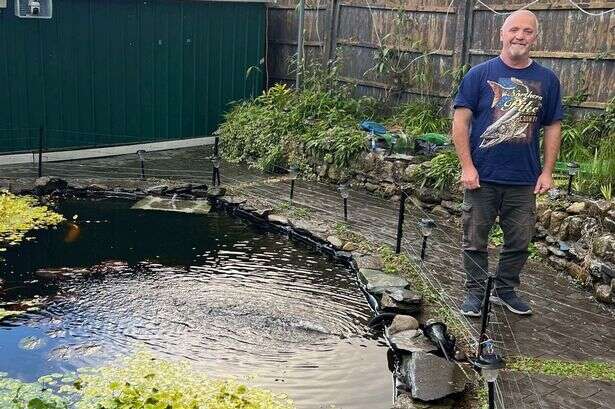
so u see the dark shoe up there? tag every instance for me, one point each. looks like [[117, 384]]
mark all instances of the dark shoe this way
[[512, 301], [471, 306]]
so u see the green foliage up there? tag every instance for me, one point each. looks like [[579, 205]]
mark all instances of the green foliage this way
[[564, 369], [419, 117], [590, 141], [20, 214], [441, 172], [321, 119], [496, 235], [137, 382], [292, 211]]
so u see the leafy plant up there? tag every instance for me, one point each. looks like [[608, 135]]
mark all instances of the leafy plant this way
[[419, 117], [20, 214], [607, 191], [496, 235], [442, 171]]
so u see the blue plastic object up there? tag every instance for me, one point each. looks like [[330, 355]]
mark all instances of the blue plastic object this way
[[373, 127]]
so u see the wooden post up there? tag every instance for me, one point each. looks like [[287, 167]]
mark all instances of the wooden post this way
[[332, 26]]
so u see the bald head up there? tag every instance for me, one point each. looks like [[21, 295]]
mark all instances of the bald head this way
[[522, 16], [518, 34]]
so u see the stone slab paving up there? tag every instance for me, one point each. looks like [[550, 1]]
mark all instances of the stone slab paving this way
[[567, 324]]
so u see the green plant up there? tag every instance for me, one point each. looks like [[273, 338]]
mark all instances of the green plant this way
[[607, 191], [419, 117], [496, 235], [564, 369], [20, 214], [442, 172]]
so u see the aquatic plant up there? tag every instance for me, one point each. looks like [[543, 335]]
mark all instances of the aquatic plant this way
[[20, 214], [136, 382]]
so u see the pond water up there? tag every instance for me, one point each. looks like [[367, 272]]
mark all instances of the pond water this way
[[234, 299]]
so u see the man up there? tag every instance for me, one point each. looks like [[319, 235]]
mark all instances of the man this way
[[499, 110]]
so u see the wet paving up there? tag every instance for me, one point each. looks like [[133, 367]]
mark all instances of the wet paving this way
[[567, 323]]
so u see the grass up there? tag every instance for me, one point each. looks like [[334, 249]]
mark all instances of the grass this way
[[295, 212], [564, 369]]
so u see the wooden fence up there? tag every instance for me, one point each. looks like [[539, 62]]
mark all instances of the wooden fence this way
[[439, 36]]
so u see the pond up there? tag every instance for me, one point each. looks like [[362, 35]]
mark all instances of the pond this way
[[234, 299]]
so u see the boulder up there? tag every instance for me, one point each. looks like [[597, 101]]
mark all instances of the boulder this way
[[411, 340], [609, 224], [371, 262], [604, 247], [451, 207], [377, 281], [545, 217], [429, 196], [403, 323], [440, 211], [576, 208], [432, 377], [388, 304], [603, 293], [335, 242], [556, 220], [349, 246], [558, 262], [598, 208], [48, 184], [216, 192], [278, 219]]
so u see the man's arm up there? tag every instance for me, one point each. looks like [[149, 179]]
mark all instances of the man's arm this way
[[552, 141], [462, 119]]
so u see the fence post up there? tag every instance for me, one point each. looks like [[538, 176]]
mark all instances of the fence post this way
[[41, 134], [331, 38], [463, 28]]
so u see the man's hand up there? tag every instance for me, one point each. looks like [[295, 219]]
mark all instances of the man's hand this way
[[544, 183], [469, 178]]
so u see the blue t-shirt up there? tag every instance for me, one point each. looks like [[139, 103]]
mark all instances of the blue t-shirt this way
[[509, 106]]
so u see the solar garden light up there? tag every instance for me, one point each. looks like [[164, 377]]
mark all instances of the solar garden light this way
[[141, 154], [216, 172], [426, 226], [573, 169], [293, 172], [344, 192], [489, 364]]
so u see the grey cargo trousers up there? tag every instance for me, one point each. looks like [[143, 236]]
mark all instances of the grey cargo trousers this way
[[516, 208]]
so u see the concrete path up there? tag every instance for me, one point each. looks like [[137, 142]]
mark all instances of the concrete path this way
[[567, 323]]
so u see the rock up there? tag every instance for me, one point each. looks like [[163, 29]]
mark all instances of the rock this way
[[158, 190], [179, 189], [429, 196], [558, 262], [235, 200], [604, 247], [263, 212], [335, 242], [576, 208], [311, 228], [432, 377], [199, 192], [440, 211], [370, 187], [556, 220], [540, 232], [405, 296], [409, 172], [216, 192], [598, 208], [577, 251], [411, 340], [545, 217], [377, 281], [452, 207], [556, 251], [349, 246], [571, 228], [405, 401], [403, 323], [278, 219], [603, 293], [388, 304], [542, 249], [48, 184], [609, 224], [608, 270], [550, 239], [577, 272], [403, 158], [371, 262]]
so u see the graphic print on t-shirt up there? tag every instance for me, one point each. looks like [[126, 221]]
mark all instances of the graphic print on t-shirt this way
[[514, 108]]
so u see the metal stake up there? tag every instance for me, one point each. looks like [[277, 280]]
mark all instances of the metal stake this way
[[424, 247], [292, 189], [491, 394], [485, 314], [41, 133], [400, 221], [345, 209], [570, 184]]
